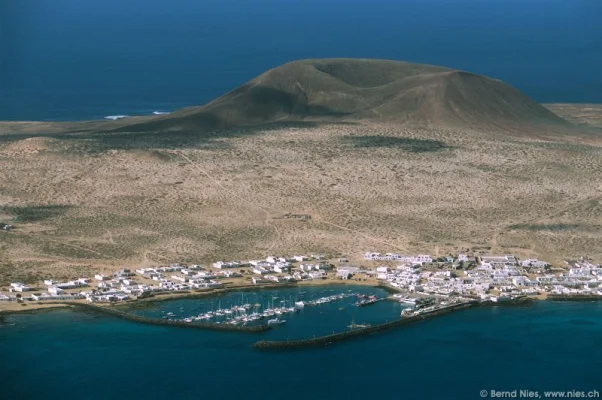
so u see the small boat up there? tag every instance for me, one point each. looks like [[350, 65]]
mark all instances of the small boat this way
[[366, 302], [407, 312], [276, 321], [357, 326]]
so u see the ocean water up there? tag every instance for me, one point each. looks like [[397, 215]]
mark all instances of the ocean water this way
[[312, 321], [548, 346], [75, 60]]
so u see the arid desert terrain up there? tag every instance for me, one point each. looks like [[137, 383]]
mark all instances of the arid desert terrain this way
[[88, 197]]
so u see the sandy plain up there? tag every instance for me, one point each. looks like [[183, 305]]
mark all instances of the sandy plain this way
[[84, 203]]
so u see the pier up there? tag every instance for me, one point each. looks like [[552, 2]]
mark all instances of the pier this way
[[574, 297], [338, 337], [521, 301]]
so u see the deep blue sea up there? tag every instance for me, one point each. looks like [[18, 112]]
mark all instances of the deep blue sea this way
[[87, 59], [66, 354], [83, 59]]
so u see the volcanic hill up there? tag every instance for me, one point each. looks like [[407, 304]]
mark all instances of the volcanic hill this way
[[347, 89]]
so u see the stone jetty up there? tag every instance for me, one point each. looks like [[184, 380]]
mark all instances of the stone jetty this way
[[338, 337], [165, 322]]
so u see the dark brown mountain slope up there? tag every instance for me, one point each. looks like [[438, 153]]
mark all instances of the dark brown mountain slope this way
[[356, 88]]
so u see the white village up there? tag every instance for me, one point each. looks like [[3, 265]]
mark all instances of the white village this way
[[417, 279]]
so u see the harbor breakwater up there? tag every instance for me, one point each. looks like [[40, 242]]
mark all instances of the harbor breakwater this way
[[574, 297], [166, 322], [338, 337], [523, 301]]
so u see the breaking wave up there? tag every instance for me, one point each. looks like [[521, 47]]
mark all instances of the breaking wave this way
[[115, 117]]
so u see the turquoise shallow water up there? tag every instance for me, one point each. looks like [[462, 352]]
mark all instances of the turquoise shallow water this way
[[549, 346]]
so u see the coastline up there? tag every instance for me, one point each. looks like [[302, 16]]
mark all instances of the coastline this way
[[8, 308], [16, 307], [573, 297], [122, 311]]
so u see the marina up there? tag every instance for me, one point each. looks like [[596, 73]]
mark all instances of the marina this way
[[64, 336], [326, 309], [259, 310], [282, 297]]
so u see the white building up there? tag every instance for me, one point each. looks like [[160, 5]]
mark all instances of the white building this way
[[350, 269], [4, 297], [229, 264], [324, 266], [418, 259], [317, 275], [493, 260], [50, 297], [260, 271], [20, 287], [55, 290], [282, 268], [343, 274], [533, 262]]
